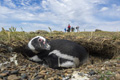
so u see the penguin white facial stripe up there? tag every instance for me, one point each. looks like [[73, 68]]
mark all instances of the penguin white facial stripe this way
[[64, 56], [30, 43], [35, 58], [31, 47]]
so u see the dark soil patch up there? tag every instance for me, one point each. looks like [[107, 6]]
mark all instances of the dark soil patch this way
[[103, 50]]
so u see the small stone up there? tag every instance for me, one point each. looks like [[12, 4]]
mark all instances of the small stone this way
[[6, 71], [107, 68], [69, 71], [43, 72], [90, 66], [66, 74], [103, 68], [95, 79], [117, 65], [107, 62], [23, 69], [117, 76], [2, 68], [118, 62], [4, 78], [3, 74], [92, 72], [60, 78], [38, 77], [41, 79], [13, 77], [52, 78], [8, 66], [112, 78], [24, 76], [80, 74], [15, 72], [10, 49], [76, 76]]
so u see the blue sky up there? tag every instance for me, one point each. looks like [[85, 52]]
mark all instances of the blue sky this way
[[34, 15]]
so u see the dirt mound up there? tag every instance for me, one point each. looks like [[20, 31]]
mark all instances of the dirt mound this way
[[106, 49]]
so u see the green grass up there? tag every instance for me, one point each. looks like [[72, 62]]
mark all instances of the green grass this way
[[15, 35]]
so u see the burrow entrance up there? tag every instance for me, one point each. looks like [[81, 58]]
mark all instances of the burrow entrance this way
[[107, 49]]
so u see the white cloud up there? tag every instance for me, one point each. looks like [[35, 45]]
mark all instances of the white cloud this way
[[77, 10], [104, 8], [59, 13], [113, 12], [25, 2], [5, 10], [9, 3]]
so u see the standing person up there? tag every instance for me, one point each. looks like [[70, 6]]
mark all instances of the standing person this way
[[65, 29], [72, 29], [77, 28], [69, 27]]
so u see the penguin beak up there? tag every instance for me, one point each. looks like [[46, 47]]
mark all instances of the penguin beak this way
[[47, 47]]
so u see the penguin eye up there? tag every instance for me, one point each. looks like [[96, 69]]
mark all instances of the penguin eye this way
[[40, 40]]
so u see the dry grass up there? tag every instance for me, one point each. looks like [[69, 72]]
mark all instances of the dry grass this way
[[97, 43]]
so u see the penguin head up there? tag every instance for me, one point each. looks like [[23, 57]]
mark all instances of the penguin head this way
[[38, 43]]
